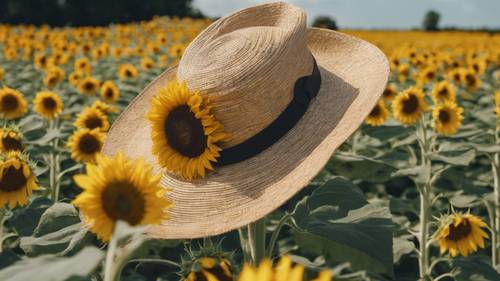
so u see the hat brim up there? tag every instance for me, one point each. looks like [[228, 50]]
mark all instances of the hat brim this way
[[354, 74]]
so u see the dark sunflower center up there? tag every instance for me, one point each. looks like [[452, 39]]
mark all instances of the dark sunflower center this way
[[457, 77], [375, 111], [108, 93], [128, 73], [443, 93], [52, 80], [89, 144], [12, 179], [185, 132], [388, 93], [11, 144], [471, 80], [49, 103], [460, 231], [476, 67], [444, 116], [123, 201], [9, 103], [410, 105], [431, 75], [93, 122], [88, 86]]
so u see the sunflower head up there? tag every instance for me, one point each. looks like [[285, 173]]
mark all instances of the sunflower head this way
[[184, 132], [427, 75], [109, 92], [17, 180], [284, 270], [127, 71], [409, 105], [92, 118], [75, 77], [48, 104], [86, 144], [116, 188], [176, 50], [103, 107], [460, 234], [447, 117], [390, 92], [210, 268], [378, 114], [443, 91], [147, 63], [12, 104], [88, 85], [83, 65], [471, 80], [11, 139]]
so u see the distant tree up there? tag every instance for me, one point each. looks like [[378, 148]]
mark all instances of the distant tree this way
[[90, 12], [325, 22], [431, 21]]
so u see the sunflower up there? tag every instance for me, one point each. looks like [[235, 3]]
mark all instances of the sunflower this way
[[92, 118], [176, 50], [104, 107], [403, 71], [147, 63], [85, 144], [127, 71], [83, 65], [184, 132], [211, 269], [50, 79], [443, 91], [48, 104], [447, 117], [461, 233], [120, 189], [479, 66], [409, 105], [471, 80], [284, 270], [75, 78], [456, 76], [390, 92], [378, 115], [88, 85], [11, 139], [12, 103], [427, 75], [17, 180], [109, 92]]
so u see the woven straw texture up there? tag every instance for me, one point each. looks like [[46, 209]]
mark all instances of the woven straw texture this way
[[247, 64]]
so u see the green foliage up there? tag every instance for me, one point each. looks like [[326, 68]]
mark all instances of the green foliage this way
[[325, 22], [431, 21]]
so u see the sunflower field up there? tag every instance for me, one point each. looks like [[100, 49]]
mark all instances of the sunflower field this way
[[413, 195]]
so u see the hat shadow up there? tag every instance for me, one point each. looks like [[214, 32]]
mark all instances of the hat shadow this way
[[322, 118]]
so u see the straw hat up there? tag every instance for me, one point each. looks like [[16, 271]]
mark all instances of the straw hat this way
[[287, 97]]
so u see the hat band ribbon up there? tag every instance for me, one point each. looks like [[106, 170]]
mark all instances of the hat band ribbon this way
[[305, 89]]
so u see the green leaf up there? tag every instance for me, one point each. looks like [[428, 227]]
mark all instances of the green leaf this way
[[54, 268], [59, 229], [337, 222], [401, 247], [474, 268], [460, 157], [419, 174], [57, 216], [361, 167], [25, 220]]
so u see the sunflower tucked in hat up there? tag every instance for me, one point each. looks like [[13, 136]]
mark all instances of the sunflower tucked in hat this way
[[253, 111]]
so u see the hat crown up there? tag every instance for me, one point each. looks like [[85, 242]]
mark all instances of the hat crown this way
[[247, 64]]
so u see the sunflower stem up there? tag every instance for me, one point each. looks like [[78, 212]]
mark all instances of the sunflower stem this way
[[424, 205], [110, 272], [276, 232], [496, 192], [54, 164], [257, 240], [244, 244]]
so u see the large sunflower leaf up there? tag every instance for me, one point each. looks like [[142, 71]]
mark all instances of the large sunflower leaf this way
[[54, 268], [361, 167], [337, 222]]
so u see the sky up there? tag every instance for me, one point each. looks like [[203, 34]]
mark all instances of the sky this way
[[394, 14]]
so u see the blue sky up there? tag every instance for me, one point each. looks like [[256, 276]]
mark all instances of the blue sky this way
[[380, 13]]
